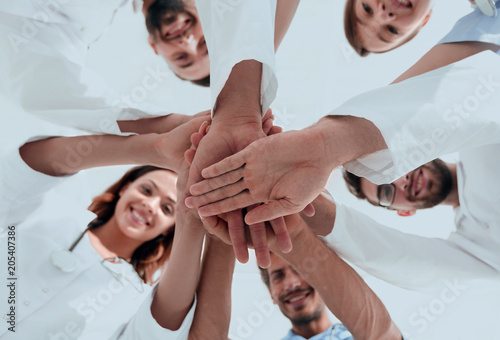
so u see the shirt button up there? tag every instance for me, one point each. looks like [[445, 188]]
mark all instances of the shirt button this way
[[45, 290], [26, 303]]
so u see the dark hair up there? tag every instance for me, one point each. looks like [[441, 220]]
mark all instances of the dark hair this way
[[264, 275], [157, 10], [351, 32], [152, 254], [353, 183]]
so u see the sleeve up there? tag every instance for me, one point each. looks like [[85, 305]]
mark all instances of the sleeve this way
[[21, 188], [143, 326], [46, 75], [475, 27], [405, 260], [447, 110], [236, 31]]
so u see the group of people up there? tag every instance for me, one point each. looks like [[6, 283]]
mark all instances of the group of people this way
[[153, 256]]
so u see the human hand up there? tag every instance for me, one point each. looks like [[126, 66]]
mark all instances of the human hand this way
[[284, 171], [169, 148], [235, 233]]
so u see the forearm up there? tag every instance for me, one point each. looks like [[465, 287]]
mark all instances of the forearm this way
[[346, 138], [285, 11], [176, 289], [324, 217], [445, 54], [60, 156], [342, 289], [239, 100], [213, 312]]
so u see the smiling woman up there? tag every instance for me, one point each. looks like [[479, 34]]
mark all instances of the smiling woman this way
[[380, 26]]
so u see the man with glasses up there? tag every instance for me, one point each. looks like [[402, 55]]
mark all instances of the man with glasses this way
[[429, 185]]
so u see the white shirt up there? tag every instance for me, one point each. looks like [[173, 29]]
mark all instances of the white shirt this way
[[87, 303], [451, 109], [43, 48], [236, 31]]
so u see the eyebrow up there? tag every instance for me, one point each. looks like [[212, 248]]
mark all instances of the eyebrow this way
[[158, 189]]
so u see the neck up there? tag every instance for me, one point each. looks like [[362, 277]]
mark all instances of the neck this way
[[452, 198], [314, 327], [110, 242]]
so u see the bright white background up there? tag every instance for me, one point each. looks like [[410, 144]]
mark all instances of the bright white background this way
[[317, 71]]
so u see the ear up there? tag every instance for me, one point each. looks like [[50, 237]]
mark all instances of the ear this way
[[406, 213], [426, 19], [152, 44]]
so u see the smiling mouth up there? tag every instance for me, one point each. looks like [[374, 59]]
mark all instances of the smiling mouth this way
[[178, 28], [138, 218], [297, 298], [402, 3], [418, 183]]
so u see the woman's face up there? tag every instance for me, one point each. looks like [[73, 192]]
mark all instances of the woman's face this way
[[385, 24], [146, 206]]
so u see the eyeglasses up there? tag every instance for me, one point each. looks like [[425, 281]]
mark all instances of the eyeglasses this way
[[123, 272], [386, 194]]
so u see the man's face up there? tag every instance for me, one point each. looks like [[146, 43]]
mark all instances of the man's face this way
[[297, 300], [385, 24], [180, 40], [424, 187]]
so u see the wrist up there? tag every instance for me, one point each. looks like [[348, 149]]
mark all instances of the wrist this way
[[346, 138]]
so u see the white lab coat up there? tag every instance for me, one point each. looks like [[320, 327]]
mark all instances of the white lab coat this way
[[43, 48], [451, 109], [88, 303], [236, 31]]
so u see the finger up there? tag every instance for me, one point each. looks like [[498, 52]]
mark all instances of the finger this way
[[236, 230], [216, 195], [281, 234], [274, 130], [196, 139], [268, 212], [259, 241], [219, 182], [218, 227], [267, 125], [228, 164], [242, 200], [268, 114], [189, 156], [309, 210]]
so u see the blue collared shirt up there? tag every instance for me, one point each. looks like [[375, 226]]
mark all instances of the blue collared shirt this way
[[334, 332]]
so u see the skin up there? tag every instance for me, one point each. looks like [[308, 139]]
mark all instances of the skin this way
[[409, 196], [188, 46], [385, 24], [152, 197], [285, 284]]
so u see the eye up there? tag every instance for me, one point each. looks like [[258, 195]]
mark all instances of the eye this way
[[392, 29], [180, 57], [277, 277], [146, 190], [167, 209], [367, 8], [387, 192]]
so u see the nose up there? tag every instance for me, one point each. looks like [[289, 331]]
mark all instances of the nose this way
[[151, 204], [384, 14], [292, 282], [403, 183], [189, 43]]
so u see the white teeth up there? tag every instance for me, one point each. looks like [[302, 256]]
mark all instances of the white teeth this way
[[419, 183], [297, 298], [136, 215]]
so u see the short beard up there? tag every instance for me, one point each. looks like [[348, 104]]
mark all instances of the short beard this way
[[157, 12], [443, 179], [306, 319]]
